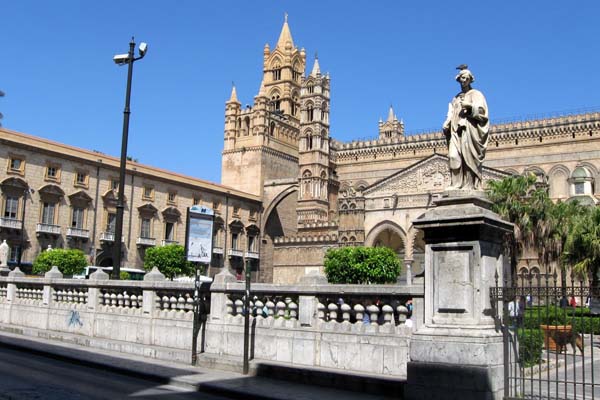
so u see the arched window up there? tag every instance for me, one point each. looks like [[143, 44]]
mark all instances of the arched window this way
[[272, 128], [309, 113], [246, 126]]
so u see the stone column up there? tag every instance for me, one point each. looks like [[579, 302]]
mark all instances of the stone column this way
[[457, 353], [218, 297], [308, 303], [149, 295], [54, 273]]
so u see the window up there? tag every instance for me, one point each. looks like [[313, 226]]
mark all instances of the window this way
[[48, 211], [16, 164], [11, 207], [171, 197], [52, 172], [145, 228], [81, 179], [234, 241], [252, 243], [216, 236], [579, 188], [111, 222], [216, 206], [252, 215], [77, 219], [277, 74], [196, 201], [15, 250], [169, 231], [236, 211], [148, 193], [114, 184]]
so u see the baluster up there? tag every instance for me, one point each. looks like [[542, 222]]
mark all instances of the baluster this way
[[346, 312], [133, 300], [239, 307], [293, 307], [181, 303], [321, 311], [107, 298], [189, 302], [280, 307], [113, 299], [270, 308], [388, 314], [402, 313], [69, 296], [229, 306], [259, 308], [373, 311], [120, 299], [126, 299], [173, 302], [333, 309], [359, 311]]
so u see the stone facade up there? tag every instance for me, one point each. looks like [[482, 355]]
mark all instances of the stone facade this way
[[369, 191], [70, 201]]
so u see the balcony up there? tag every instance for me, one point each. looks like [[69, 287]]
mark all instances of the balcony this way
[[166, 242], [253, 255], [76, 233], [10, 223], [47, 229], [235, 253], [218, 250], [109, 237], [145, 242]]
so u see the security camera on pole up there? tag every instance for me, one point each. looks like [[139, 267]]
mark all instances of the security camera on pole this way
[[122, 59]]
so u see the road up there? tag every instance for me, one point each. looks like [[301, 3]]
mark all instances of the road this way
[[27, 376]]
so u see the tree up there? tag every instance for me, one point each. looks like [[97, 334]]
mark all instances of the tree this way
[[170, 260], [582, 247], [362, 265], [68, 261], [511, 197]]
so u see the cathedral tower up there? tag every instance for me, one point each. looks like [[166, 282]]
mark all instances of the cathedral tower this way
[[392, 128], [316, 174], [261, 140]]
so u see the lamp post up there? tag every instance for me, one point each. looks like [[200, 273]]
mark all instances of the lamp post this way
[[26, 191], [122, 59]]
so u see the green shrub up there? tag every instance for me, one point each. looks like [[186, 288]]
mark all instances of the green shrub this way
[[531, 343], [170, 260], [68, 261], [580, 318], [124, 275], [362, 265]]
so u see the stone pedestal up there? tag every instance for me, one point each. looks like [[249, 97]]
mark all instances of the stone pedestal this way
[[457, 353]]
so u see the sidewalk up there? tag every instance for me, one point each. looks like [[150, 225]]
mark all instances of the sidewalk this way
[[228, 384]]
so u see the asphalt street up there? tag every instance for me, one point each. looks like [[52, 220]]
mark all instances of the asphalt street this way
[[27, 376]]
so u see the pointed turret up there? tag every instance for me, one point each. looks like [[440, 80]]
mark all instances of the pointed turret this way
[[391, 117], [316, 70], [233, 98], [391, 128], [285, 36]]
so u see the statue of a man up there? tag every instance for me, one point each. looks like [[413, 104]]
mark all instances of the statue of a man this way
[[466, 128]]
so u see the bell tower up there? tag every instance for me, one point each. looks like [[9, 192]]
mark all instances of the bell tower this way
[[261, 140], [316, 174]]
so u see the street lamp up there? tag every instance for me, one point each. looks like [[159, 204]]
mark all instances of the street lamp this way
[[122, 59], [26, 191]]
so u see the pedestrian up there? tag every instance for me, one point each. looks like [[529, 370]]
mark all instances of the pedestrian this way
[[409, 307], [513, 310], [573, 302], [563, 302], [520, 311], [529, 300]]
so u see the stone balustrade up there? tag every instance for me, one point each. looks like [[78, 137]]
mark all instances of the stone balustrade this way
[[359, 328]]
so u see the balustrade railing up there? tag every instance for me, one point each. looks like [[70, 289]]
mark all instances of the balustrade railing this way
[[29, 293], [111, 298]]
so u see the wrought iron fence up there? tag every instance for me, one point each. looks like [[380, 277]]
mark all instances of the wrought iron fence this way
[[551, 334]]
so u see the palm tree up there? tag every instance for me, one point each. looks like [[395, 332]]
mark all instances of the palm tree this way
[[511, 197], [582, 247]]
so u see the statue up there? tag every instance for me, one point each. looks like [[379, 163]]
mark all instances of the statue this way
[[467, 129], [4, 254]]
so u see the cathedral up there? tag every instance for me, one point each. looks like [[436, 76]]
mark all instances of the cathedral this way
[[318, 193]]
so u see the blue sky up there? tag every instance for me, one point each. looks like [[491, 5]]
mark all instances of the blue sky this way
[[528, 57]]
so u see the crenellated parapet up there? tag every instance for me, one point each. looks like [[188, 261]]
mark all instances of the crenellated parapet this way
[[547, 129], [306, 239]]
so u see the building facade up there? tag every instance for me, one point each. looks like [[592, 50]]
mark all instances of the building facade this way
[[320, 193], [58, 196]]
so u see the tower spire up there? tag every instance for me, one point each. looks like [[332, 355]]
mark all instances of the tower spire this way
[[316, 70], [285, 36], [233, 97], [391, 115]]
